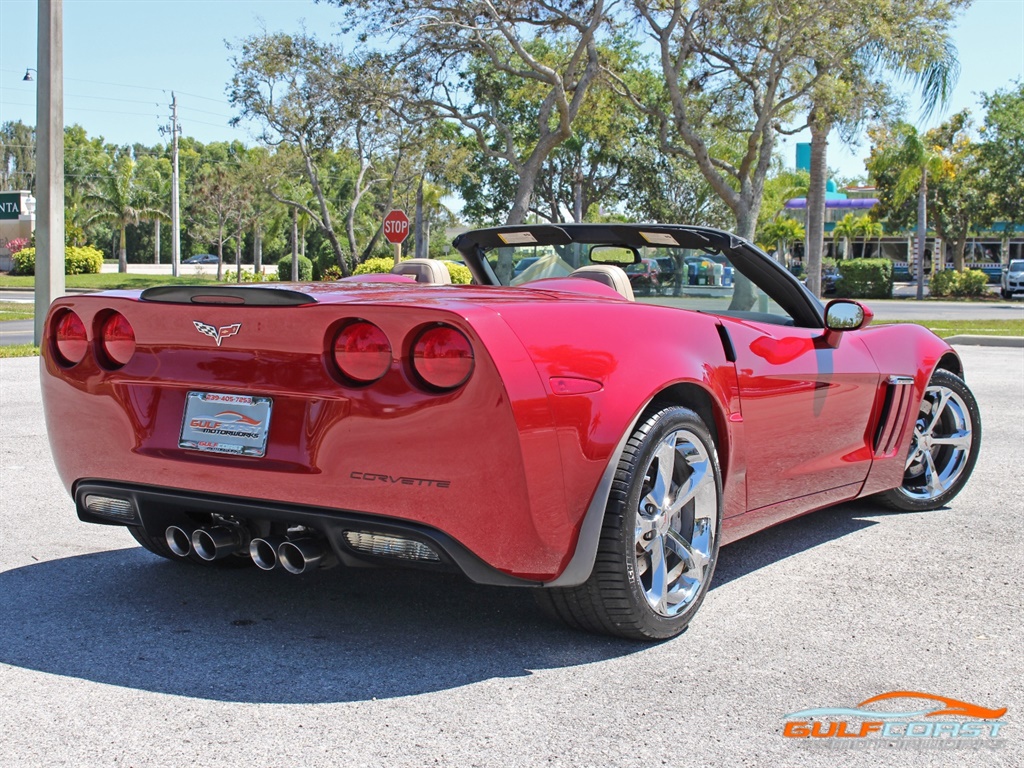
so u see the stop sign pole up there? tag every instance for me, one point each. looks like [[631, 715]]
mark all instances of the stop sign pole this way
[[396, 229]]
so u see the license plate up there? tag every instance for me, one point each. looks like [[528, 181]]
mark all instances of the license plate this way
[[233, 424]]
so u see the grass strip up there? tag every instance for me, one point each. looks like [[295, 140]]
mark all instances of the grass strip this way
[[110, 281]]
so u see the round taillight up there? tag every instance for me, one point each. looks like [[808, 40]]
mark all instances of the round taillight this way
[[443, 357], [117, 337], [69, 338], [362, 352]]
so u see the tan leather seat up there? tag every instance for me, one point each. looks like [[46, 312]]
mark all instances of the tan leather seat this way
[[424, 270], [609, 275]]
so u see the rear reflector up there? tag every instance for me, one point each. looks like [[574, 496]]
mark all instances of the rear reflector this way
[[443, 357], [107, 506], [69, 338], [384, 545], [117, 337], [362, 352]]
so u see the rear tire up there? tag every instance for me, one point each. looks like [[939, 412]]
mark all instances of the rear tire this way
[[659, 542], [944, 449]]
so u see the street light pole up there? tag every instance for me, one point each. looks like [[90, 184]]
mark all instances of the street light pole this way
[[49, 161]]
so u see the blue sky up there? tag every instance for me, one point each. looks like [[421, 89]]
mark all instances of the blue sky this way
[[122, 59]]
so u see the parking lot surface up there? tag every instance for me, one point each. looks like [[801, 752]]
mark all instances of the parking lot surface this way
[[111, 656]]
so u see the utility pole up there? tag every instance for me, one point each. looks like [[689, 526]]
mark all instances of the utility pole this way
[[49, 161], [175, 210], [175, 130]]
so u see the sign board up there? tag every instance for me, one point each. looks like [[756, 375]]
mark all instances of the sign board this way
[[10, 205], [396, 226]]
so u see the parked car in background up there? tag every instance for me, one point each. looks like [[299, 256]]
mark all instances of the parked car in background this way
[[666, 271], [645, 278], [1013, 278], [202, 258]]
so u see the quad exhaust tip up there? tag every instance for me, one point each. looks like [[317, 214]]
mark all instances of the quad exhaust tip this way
[[263, 551], [217, 542], [179, 540], [300, 555]]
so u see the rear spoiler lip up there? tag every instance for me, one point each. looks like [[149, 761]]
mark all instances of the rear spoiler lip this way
[[252, 296]]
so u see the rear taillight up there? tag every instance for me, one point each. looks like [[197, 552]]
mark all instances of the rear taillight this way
[[362, 352], [69, 338], [443, 357], [117, 339]]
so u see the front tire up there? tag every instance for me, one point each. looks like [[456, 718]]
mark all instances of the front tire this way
[[944, 449], [659, 543]]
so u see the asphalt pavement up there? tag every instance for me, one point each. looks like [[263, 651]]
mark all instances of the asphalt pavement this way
[[111, 656]]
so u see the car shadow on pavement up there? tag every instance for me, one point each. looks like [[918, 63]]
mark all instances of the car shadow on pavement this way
[[779, 542], [128, 619]]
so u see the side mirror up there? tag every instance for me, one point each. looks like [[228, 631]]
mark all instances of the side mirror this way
[[844, 315]]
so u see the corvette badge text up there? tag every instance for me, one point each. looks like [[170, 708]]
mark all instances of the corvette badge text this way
[[945, 724], [374, 477]]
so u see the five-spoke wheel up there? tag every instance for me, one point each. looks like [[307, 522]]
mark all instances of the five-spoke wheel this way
[[659, 542]]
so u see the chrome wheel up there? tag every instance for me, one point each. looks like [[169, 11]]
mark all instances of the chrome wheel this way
[[659, 538], [942, 444], [676, 523]]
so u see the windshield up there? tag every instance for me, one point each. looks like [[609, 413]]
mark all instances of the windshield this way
[[1017, 265]]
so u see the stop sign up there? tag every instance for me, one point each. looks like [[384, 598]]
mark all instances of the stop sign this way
[[396, 226]]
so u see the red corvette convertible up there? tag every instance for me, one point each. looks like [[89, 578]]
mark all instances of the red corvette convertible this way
[[558, 434]]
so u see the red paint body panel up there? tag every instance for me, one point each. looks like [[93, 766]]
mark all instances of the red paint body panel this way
[[522, 445]]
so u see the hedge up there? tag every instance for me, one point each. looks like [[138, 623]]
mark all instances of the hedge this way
[[459, 273], [284, 269], [949, 282], [865, 279], [77, 261], [375, 266]]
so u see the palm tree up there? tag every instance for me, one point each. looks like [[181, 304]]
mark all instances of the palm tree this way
[[154, 175], [915, 47], [846, 229], [781, 232], [120, 199], [868, 227], [913, 159]]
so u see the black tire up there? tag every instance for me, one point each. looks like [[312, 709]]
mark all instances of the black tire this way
[[1006, 294], [158, 546], [622, 597], [944, 450]]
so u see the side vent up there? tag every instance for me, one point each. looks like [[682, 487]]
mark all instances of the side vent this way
[[250, 296], [899, 391]]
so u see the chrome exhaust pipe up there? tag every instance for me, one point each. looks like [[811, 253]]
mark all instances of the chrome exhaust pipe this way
[[217, 542], [179, 540], [263, 551], [300, 555]]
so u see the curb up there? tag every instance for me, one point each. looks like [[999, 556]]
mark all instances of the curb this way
[[986, 341]]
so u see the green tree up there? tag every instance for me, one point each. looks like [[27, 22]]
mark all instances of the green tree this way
[[780, 233], [891, 40], [846, 229], [119, 197], [17, 155], [1002, 152], [905, 155], [549, 48]]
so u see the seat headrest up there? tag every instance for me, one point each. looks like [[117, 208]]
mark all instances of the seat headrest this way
[[424, 270], [614, 277]]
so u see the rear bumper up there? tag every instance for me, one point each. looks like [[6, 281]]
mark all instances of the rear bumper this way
[[154, 509]]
